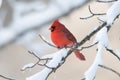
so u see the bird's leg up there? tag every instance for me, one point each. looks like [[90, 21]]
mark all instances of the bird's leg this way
[[59, 47], [65, 46]]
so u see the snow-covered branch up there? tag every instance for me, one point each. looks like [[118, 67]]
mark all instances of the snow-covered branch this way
[[102, 39], [113, 12], [57, 59]]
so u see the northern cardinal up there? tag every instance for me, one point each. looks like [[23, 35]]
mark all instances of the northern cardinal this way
[[63, 38]]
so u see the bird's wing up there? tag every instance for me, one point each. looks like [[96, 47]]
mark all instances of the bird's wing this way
[[69, 35]]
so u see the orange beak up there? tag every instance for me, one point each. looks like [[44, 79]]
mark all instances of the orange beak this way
[[51, 29]]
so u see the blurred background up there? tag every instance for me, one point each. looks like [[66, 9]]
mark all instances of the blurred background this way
[[14, 56]]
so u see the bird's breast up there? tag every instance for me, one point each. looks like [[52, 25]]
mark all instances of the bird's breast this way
[[61, 40]]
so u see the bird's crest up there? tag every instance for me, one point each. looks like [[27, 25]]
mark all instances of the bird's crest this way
[[56, 22]]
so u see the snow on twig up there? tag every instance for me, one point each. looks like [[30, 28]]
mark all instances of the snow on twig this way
[[91, 72], [113, 12], [53, 64], [45, 58], [102, 39], [30, 65]]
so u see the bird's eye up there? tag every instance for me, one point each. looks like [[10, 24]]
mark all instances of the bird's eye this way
[[53, 27]]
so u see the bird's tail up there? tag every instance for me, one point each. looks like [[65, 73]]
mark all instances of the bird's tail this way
[[79, 55]]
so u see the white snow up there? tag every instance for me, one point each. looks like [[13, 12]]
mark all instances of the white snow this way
[[102, 37], [42, 75], [27, 65], [48, 56], [117, 52], [91, 72], [56, 61], [113, 12]]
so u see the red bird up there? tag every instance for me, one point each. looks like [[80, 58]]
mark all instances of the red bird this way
[[63, 38]]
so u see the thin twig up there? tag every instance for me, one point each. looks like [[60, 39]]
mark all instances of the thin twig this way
[[32, 53], [92, 14], [47, 42], [45, 65], [83, 79], [38, 62], [82, 48], [100, 20], [110, 69], [46, 59], [31, 66], [4, 77], [88, 46], [34, 63], [112, 51]]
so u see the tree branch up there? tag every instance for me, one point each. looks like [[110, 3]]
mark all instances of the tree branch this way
[[92, 14], [113, 52], [88, 46], [110, 69], [47, 42], [38, 62], [86, 38], [107, 68], [4, 77]]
